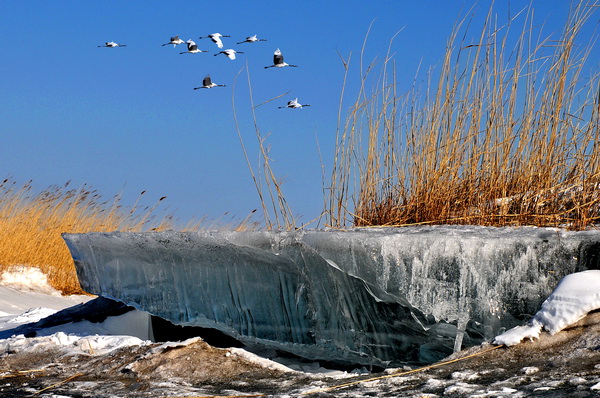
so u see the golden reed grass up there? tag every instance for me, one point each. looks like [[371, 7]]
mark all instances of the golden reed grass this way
[[31, 226], [506, 132]]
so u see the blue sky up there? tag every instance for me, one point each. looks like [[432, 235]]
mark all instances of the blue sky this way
[[127, 119]]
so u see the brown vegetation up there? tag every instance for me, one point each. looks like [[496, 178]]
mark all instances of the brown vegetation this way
[[507, 134], [31, 226]]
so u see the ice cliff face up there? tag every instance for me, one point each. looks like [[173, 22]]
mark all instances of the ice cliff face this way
[[381, 296]]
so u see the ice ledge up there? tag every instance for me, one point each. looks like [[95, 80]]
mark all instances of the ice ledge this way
[[383, 296]]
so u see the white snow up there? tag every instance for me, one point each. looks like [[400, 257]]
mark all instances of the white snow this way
[[132, 323], [76, 344], [24, 291], [575, 296], [253, 358], [519, 333], [26, 278], [466, 375], [26, 296]]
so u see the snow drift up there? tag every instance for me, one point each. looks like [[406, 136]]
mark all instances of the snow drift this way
[[575, 296]]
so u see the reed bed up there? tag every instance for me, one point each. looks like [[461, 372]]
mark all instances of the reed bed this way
[[31, 226], [506, 132]]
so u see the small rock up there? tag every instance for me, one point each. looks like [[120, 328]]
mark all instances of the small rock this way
[[465, 375], [575, 381], [528, 370]]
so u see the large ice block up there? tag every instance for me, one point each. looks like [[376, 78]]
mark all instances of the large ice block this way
[[366, 296]]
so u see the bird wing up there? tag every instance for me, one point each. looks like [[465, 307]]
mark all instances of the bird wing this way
[[207, 81], [230, 54], [193, 47], [217, 40]]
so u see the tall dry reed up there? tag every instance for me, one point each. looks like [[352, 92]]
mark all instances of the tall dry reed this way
[[276, 212], [31, 226], [504, 133]]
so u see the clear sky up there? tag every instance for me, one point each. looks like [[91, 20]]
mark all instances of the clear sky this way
[[127, 119]]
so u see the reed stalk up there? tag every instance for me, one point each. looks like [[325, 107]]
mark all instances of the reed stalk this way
[[276, 211]]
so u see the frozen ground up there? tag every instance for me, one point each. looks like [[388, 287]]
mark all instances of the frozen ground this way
[[106, 359]]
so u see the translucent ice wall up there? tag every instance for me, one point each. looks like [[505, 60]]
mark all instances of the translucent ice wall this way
[[377, 296]]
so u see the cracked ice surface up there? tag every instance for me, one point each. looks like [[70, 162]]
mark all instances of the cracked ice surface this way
[[376, 296]]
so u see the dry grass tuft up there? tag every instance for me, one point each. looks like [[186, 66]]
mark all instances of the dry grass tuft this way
[[31, 226], [505, 133]]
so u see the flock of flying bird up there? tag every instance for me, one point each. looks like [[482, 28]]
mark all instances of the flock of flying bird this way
[[192, 48]]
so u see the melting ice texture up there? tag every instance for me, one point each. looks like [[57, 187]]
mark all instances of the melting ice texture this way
[[381, 297]]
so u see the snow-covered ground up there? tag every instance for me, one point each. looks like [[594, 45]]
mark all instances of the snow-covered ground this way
[[26, 297], [114, 358]]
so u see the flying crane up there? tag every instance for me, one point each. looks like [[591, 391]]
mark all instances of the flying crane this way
[[230, 53], [216, 38], [251, 39], [208, 83], [112, 44], [294, 104], [278, 61], [192, 48], [175, 40]]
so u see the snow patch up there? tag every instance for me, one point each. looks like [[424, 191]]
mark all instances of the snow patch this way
[[461, 388], [92, 345], [265, 363], [576, 381], [465, 375], [519, 333], [504, 392], [575, 296], [26, 278], [172, 344], [29, 316], [132, 323], [435, 383]]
